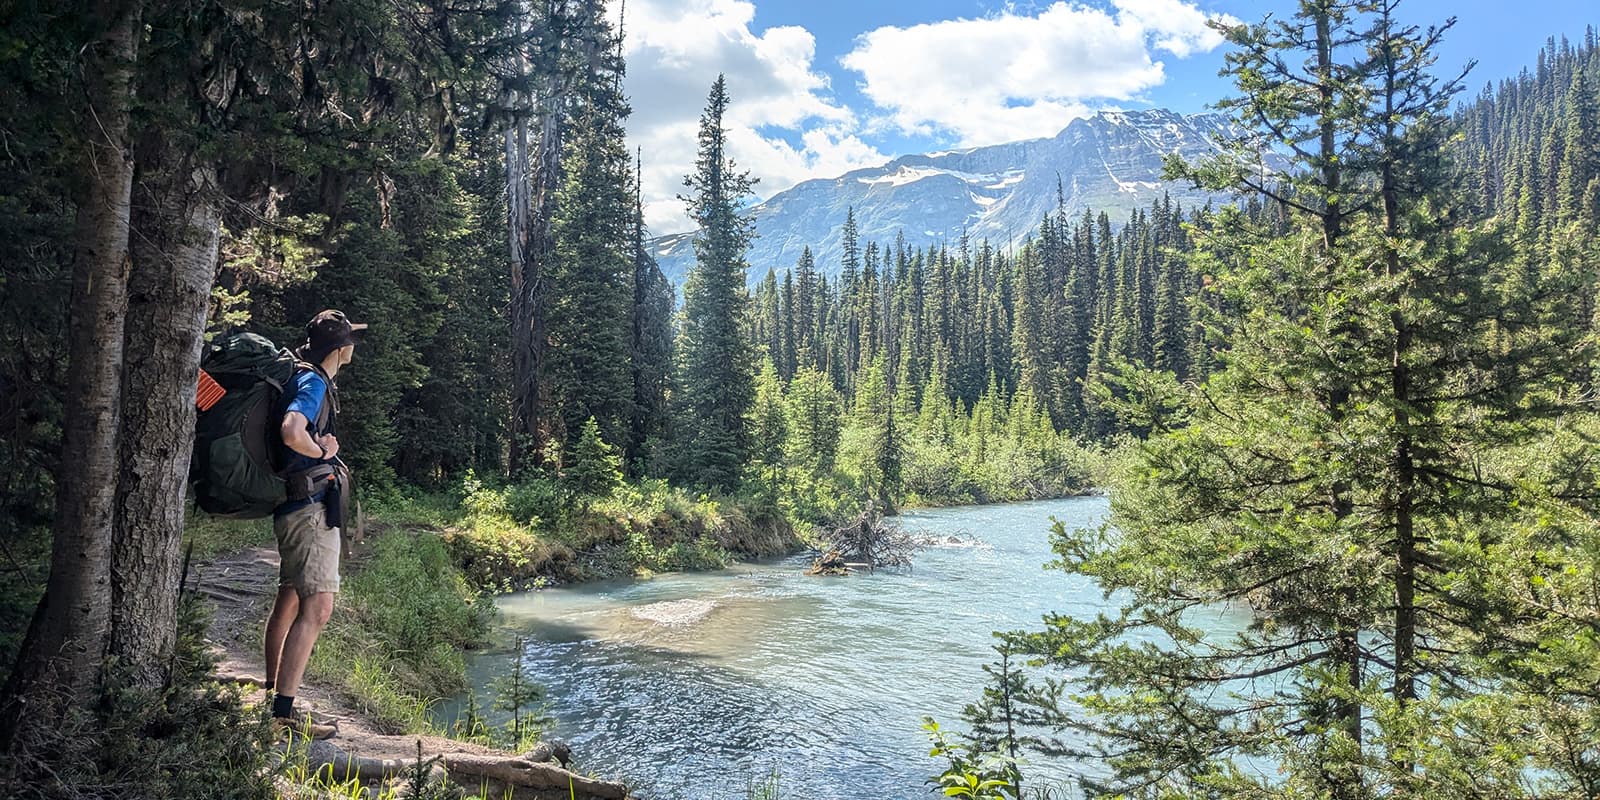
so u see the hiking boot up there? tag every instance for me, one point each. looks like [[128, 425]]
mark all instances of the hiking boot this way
[[300, 724]]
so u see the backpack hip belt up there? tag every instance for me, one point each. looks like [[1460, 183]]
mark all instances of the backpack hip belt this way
[[305, 483]]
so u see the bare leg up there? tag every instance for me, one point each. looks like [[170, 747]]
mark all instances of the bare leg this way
[[314, 613], [284, 610]]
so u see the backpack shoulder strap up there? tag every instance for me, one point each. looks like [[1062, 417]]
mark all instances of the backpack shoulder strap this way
[[328, 410]]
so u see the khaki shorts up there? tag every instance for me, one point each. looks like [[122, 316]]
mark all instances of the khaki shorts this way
[[308, 551]]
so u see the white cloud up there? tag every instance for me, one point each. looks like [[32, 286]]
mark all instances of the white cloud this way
[[1177, 27], [676, 49], [1013, 76]]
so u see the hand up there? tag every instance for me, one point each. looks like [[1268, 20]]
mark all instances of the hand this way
[[330, 445]]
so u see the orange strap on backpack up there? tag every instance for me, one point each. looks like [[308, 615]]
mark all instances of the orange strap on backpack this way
[[209, 392]]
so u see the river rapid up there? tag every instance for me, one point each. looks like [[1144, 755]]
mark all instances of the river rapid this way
[[697, 685]]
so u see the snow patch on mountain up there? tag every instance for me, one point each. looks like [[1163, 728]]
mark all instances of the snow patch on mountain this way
[[1109, 162]]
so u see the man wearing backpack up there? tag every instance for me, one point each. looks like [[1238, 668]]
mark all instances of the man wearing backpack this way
[[307, 524]]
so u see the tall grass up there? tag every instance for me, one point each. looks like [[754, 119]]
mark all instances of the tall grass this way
[[395, 641]]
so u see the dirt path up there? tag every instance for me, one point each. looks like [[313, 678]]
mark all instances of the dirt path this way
[[241, 586]]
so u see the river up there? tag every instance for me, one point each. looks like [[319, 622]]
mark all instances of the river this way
[[695, 685]]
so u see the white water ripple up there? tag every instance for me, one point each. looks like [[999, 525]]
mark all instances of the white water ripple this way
[[674, 613]]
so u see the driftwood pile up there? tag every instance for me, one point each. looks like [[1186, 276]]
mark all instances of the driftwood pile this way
[[866, 543]]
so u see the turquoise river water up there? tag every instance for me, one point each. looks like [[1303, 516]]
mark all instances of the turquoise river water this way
[[696, 685]]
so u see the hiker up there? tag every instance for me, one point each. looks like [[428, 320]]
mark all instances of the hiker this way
[[307, 524]]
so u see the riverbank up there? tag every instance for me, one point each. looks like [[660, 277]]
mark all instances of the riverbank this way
[[416, 593], [377, 753], [388, 654]]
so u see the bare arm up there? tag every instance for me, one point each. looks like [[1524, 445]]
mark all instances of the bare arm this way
[[299, 439]]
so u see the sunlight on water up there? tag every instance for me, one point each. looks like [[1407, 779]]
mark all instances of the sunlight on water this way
[[670, 680]]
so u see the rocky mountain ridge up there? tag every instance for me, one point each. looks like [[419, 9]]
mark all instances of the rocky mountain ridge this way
[[1109, 162]]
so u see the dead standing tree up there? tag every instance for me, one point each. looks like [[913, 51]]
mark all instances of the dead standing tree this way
[[534, 99]]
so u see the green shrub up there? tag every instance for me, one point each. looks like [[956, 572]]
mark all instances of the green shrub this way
[[193, 739], [538, 503]]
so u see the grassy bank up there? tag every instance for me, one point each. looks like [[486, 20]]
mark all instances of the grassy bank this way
[[532, 534]]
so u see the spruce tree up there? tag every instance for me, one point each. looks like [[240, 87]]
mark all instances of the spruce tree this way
[[769, 430], [716, 380], [1332, 479], [593, 469], [650, 347], [815, 419], [590, 309]]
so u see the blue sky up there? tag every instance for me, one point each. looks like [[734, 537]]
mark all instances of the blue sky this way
[[823, 86]]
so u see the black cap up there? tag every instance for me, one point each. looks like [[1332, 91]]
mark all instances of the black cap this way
[[328, 331]]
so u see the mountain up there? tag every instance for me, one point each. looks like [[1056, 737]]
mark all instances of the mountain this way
[[1108, 162]]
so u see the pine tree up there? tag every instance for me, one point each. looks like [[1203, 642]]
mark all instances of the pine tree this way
[[787, 356], [593, 468], [651, 347], [589, 317], [1338, 516], [769, 429], [815, 419], [715, 376], [1581, 149], [807, 312]]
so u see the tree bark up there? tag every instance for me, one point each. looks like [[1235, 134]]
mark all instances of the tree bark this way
[[176, 221], [60, 665], [533, 176]]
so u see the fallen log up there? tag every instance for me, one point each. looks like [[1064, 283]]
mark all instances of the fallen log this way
[[514, 773], [514, 777], [830, 563], [324, 757]]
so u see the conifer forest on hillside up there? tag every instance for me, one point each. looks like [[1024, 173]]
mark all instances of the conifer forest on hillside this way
[[1352, 399]]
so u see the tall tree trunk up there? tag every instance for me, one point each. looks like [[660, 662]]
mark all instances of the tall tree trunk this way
[[1405, 555], [524, 391], [529, 293], [533, 176], [176, 221], [59, 665], [538, 258], [1348, 645]]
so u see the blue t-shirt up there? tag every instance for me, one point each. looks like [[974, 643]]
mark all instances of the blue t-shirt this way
[[310, 392]]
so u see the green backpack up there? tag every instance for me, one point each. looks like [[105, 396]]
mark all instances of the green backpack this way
[[234, 469]]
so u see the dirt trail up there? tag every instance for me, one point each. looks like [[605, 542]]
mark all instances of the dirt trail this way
[[241, 586]]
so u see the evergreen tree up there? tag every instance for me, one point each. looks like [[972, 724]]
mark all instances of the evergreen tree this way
[[593, 468], [715, 375], [769, 429], [815, 419], [650, 347], [1340, 523], [807, 312], [590, 303]]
